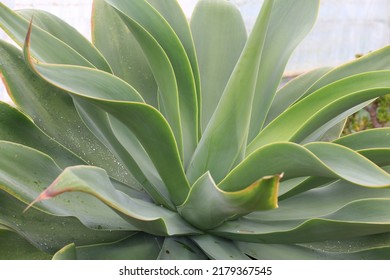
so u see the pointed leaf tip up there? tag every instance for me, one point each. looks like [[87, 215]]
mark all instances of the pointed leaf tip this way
[[48, 193], [41, 197], [28, 37], [27, 45]]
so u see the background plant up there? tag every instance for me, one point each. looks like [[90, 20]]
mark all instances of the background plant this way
[[158, 141], [375, 115]]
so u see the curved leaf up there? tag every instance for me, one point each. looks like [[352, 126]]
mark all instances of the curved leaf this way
[[145, 216], [98, 123], [180, 248], [316, 159], [94, 82], [374, 61], [343, 161], [367, 139], [67, 34], [137, 247], [28, 134], [321, 201], [153, 133], [290, 22], [68, 252], [332, 133], [304, 185], [175, 17], [164, 76], [358, 218], [321, 106], [153, 31], [281, 251], [50, 233], [216, 152], [208, 206], [377, 60], [147, 124], [154, 185], [380, 157], [222, 25], [14, 247], [373, 144], [52, 110], [122, 142], [308, 83], [45, 47], [128, 63], [218, 248], [332, 129], [374, 247], [25, 173], [99, 84], [341, 207], [293, 91]]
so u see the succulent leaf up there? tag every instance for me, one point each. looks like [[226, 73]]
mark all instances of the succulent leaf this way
[[358, 218], [207, 206], [302, 118], [223, 142], [156, 131], [368, 139], [374, 61], [149, 25], [39, 171], [313, 159], [68, 35], [168, 138], [218, 55], [138, 246], [180, 248], [143, 215], [30, 135], [48, 232], [131, 66], [46, 47], [282, 38], [53, 111], [352, 249], [219, 248], [175, 17], [292, 91], [167, 96], [22, 251]]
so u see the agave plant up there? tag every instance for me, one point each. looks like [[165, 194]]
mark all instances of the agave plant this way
[[169, 139]]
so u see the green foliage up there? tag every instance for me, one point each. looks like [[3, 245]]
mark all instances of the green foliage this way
[[383, 114], [164, 135], [375, 115]]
